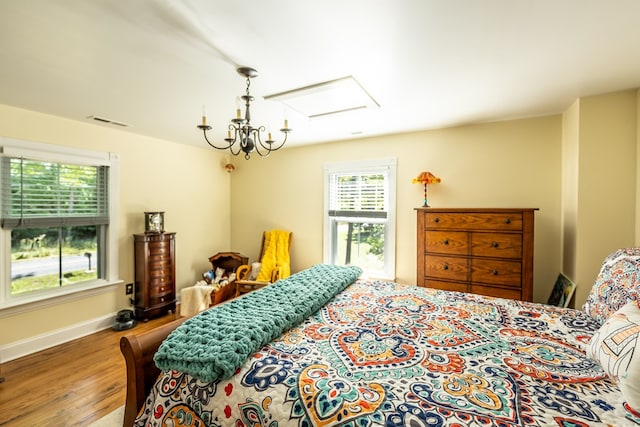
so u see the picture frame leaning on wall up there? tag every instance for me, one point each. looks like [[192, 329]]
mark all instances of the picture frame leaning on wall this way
[[562, 291]]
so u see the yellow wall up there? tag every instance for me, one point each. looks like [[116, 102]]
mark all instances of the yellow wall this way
[[637, 220], [600, 165], [186, 182], [570, 148], [506, 164], [578, 168]]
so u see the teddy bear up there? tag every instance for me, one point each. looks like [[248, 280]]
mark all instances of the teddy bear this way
[[219, 275]]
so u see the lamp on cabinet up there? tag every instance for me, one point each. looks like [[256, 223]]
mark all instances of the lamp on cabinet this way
[[426, 178]]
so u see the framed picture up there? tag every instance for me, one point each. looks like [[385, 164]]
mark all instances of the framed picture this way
[[562, 291]]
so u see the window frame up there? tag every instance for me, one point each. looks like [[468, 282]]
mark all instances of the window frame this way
[[374, 166], [13, 304]]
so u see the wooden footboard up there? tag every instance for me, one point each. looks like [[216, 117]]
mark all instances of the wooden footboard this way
[[138, 351]]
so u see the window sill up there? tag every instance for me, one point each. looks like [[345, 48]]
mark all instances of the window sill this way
[[380, 277], [27, 304]]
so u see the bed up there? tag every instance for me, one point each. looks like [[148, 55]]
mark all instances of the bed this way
[[374, 353]]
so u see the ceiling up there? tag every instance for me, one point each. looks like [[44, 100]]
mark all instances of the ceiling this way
[[154, 65]]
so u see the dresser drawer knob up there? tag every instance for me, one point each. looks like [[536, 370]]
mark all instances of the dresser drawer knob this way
[[436, 220], [446, 267], [494, 272], [494, 244], [507, 221], [446, 241]]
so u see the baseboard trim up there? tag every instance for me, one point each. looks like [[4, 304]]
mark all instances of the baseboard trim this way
[[41, 342]]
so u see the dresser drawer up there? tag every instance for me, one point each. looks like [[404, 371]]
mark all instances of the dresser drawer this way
[[506, 273], [159, 258], [492, 291], [159, 248], [159, 289], [447, 242], [160, 281], [163, 271], [442, 267], [160, 299], [161, 267], [474, 221], [446, 286], [498, 245]]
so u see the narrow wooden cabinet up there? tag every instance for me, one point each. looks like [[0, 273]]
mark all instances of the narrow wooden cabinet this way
[[482, 251], [155, 274]]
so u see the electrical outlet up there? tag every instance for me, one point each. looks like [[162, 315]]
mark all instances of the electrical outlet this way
[[129, 289]]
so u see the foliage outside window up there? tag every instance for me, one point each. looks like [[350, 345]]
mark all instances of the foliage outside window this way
[[360, 216], [55, 221]]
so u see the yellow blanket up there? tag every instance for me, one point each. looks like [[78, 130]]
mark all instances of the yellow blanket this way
[[275, 254]]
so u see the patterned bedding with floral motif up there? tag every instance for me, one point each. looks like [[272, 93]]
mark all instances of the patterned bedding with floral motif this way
[[386, 354]]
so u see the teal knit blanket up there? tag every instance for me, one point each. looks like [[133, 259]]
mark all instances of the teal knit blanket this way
[[216, 342]]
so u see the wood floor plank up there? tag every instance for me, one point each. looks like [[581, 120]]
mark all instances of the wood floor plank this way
[[72, 384]]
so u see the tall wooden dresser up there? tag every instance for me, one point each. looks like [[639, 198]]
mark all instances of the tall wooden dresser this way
[[155, 274], [482, 251]]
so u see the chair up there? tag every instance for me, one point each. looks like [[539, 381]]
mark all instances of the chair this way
[[274, 262]]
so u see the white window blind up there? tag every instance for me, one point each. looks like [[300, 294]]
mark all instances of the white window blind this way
[[35, 193], [358, 195]]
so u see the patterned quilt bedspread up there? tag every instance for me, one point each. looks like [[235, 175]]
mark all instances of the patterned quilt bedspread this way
[[386, 354]]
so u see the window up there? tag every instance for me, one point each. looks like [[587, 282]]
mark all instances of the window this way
[[57, 231], [360, 216]]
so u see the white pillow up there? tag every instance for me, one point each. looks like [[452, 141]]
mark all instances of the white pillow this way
[[617, 283], [614, 347]]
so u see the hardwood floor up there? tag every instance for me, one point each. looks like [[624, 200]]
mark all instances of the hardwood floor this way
[[72, 384]]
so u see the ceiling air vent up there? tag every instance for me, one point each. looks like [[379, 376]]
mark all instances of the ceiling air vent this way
[[107, 121]]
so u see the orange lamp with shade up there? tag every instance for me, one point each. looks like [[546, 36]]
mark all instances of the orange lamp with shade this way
[[426, 178]]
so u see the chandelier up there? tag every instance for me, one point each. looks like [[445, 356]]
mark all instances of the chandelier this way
[[242, 137]]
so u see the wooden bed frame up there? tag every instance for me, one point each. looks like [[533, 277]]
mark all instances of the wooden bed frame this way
[[138, 351]]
